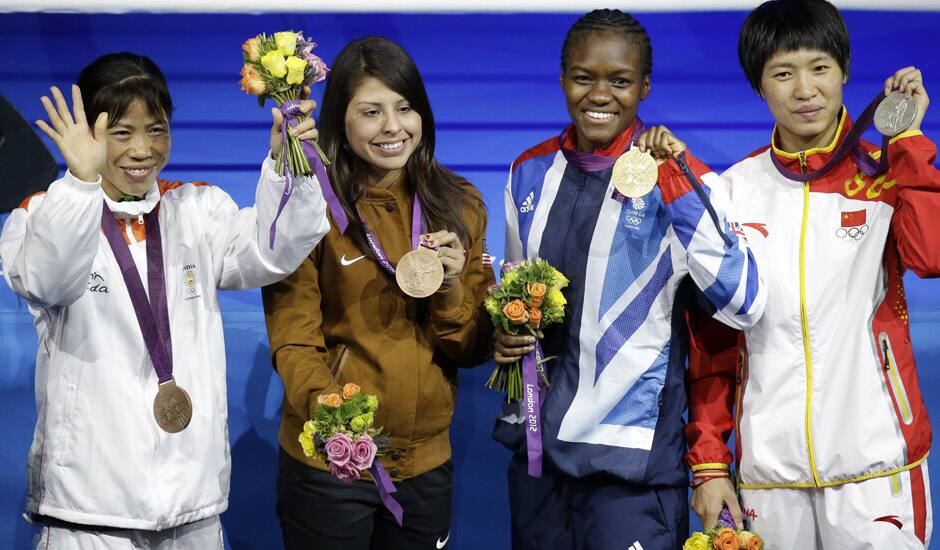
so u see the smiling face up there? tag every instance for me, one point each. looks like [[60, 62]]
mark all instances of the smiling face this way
[[381, 127], [803, 89], [138, 149], [603, 85]]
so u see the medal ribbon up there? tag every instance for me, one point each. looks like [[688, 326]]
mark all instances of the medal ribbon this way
[[385, 486], [417, 229], [531, 403], [292, 115], [152, 315], [864, 161], [590, 162]]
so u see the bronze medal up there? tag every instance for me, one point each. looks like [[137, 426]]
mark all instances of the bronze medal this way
[[419, 273], [635, 173], [172, 407]]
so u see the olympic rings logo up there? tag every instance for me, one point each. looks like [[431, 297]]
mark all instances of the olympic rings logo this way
[[852, 233], [633, 220]]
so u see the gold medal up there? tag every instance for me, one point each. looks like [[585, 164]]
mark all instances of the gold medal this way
[[635, 173], [419, 273], [172, 407]]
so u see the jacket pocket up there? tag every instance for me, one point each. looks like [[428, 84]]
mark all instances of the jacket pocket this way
[[895, 384], [337, 360]]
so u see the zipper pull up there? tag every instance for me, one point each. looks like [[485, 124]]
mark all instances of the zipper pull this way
[[884, 348], [140, 219]]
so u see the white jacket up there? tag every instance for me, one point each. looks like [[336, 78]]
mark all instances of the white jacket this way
[[97, 455]]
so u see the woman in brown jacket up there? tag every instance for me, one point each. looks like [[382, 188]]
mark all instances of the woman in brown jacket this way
[[342, 318]]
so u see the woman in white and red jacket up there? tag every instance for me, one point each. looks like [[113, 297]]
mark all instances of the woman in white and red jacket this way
[[102, 473], [832, 431]]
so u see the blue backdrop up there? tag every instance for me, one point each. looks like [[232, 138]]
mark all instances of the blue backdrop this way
[[493, 82]]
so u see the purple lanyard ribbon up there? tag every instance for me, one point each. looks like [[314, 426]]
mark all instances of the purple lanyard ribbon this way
[[417, 229], [864, 161], [385, 486], [292, 114], [590, 162], [531, 402], [152, 316]]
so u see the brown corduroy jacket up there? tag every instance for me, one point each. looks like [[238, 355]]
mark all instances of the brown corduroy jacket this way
[[341, 318]]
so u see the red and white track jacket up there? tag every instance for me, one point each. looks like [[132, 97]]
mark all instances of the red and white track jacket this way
[[827, 389]]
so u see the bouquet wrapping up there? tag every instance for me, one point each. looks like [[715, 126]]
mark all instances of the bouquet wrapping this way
[[342, 434]]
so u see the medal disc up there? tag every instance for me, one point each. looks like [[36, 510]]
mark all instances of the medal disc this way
[[635, 173], [895, 113], [172, 408], [419, 273]]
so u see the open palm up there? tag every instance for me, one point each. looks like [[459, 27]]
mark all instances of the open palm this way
[[84, 150]]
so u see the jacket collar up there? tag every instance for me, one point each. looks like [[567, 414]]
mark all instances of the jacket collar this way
[[816, 157], [133, 209]]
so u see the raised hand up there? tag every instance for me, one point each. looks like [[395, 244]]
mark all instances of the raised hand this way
[[83, 148], [910, 82], [305, 130], [661, 143]]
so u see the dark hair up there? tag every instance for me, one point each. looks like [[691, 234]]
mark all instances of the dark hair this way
[[787, 25], [112, 82], [607, 20], [444, 195]]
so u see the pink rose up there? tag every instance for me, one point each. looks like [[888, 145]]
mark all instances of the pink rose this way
[[363, 452], [347, 473], [339, 450], [316, 67]]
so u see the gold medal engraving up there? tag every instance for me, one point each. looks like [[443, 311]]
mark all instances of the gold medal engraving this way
[[635, 173], [419, 273], [172, 408]]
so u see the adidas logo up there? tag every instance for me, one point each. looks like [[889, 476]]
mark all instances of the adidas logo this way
[[635, 546], [528, 204]]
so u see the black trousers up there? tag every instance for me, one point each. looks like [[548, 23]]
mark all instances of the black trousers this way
[[320, 512]]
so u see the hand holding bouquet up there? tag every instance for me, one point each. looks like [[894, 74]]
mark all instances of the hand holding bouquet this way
[[282, 67], [342, 434], [528, 298], [724, 536]]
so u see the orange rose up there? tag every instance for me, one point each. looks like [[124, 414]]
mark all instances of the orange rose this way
[[726, 539], [252, 82], [252, 48], [516, 313], [535, 317], [333, 400], [350, 390], [749, 541], [537, 292]]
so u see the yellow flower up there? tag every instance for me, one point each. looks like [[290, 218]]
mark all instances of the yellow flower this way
[[274, 63], [560, 280], [508, 278], [295, 69], [286, 42], [698, 541], [306, 438], [557, 298]]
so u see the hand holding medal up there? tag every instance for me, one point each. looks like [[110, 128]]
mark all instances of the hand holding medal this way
[[905, 103], [635, 173]]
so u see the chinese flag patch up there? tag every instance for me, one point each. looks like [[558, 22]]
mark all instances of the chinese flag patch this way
[[853, 219]]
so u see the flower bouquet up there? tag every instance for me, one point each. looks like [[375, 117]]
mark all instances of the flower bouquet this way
[[279, 67], [724, 536], [342, 434], [527, 298]]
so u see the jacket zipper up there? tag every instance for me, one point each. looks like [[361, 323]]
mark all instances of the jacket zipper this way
[[894, 379], [804, 322], [739, 398]]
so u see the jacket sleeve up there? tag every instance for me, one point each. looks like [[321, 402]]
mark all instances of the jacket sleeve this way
[[915, 221], [719, 259], [298, 348], [460, 325], [712, 381], [49, 243], [240, 238]]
